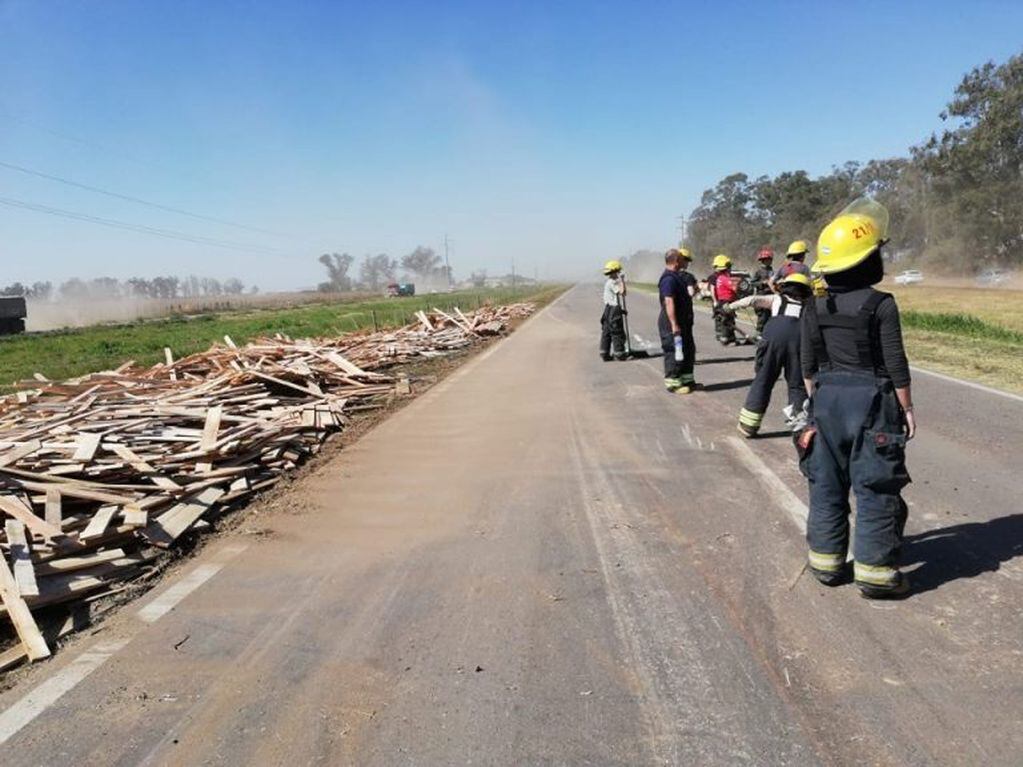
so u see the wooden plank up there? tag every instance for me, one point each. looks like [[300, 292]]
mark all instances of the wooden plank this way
[[99, 523], [211, 428], [22, 451], [14, 507], [172, 523], [21, 558], [135, 516], [70, 564], [88, 444], [141, 466], [21, 616], [54, 510]]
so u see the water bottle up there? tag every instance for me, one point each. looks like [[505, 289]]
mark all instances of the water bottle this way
[[679, 354]]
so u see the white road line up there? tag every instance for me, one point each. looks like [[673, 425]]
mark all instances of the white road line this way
[[971, 384], [50, 691], [169, 599], [784, 497]]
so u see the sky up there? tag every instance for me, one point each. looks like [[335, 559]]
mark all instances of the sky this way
[[551, 135]]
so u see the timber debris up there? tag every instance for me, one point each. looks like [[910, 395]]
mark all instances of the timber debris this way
[[102, 474]]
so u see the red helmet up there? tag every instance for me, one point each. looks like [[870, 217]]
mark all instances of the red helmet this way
[[765, 254]]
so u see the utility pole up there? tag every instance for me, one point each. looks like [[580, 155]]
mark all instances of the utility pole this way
[[682, 229], [513, 274], [447, 263]]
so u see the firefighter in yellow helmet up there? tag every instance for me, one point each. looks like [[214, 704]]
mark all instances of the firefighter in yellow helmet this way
[[777, 353], [795, 263], [855, 370], [722, 291], [612, 321]]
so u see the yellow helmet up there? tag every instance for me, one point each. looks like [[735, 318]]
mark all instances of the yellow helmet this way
[[852, 236], [799, 279], [721, 261], [685, 253], [612, 266], [798, 247], [820, 287]]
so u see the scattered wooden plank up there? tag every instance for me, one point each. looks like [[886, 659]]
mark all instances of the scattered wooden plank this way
[[88, 443], [19, 452], [21, 558], [54, 511], [99, 523], [14, 507], [211, 428], [172, 523], [21, 616]]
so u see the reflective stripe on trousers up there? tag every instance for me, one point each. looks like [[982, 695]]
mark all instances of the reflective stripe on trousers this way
[[859, 447]]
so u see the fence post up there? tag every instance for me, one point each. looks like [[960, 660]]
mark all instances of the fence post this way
[[376, 327]]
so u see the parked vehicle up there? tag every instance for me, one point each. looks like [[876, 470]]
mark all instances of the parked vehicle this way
[[12, 315], [992, 277], [401, 289], [909, 277]]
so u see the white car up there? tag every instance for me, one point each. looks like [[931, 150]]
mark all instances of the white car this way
[[909, 277]]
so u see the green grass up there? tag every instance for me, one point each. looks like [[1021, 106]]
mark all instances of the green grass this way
[[69, 353], [965, 325]]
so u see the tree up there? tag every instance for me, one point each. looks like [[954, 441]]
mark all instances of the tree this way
[[234, 287], [377, 271], [14, 289], [478, 278], [422, 262], [976, 166], [337, 266]]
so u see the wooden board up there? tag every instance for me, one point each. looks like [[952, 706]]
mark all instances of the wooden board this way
[[21, 617], [172, 523], [21, 558], [16, 508]]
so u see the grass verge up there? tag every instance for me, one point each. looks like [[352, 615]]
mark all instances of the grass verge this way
[[64, 354]]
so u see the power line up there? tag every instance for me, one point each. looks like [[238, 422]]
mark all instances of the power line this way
[[141, 228], [137, 200]]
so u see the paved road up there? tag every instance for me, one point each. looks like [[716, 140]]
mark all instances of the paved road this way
[[548, 560]]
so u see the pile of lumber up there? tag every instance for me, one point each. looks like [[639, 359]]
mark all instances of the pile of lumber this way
[[101, 473]]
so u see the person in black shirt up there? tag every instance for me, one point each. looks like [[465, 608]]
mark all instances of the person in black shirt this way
[[762, 285], [675, 326], [855, 369]]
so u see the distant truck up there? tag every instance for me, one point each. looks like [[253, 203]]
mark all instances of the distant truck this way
[[401, 289], [12, 315]]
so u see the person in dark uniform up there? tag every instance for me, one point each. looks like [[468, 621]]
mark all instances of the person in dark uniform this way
[[777, 352], [675, 326], [855, 369], [762, 286]]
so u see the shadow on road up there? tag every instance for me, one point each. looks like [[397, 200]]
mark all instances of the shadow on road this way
[[726, 385], [962, 551], [721, 360]]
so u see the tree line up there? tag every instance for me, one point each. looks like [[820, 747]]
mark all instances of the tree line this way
[[375, 272], [103, 288], [956, 199]]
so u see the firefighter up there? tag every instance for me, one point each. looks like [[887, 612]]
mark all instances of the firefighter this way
[[675, 325], [855, 370], [762, 285], [691, 283], [722, 292], [795, 262], [777, 352], [612, 322]]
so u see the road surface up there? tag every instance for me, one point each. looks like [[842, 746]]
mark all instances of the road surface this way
[[547, 559]]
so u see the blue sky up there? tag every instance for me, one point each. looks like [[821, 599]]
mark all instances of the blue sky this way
[[557, 134]]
